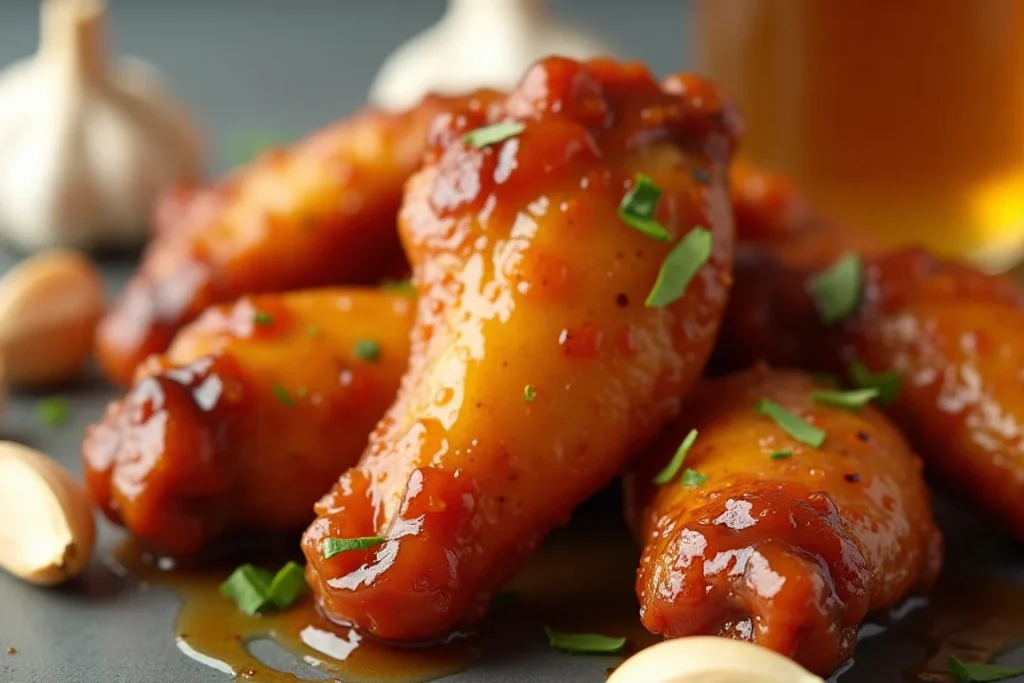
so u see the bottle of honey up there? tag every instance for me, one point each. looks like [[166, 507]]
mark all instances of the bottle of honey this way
[[905, 117]]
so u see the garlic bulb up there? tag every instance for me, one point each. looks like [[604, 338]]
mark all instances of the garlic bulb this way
[[86, 144], [477, 43]]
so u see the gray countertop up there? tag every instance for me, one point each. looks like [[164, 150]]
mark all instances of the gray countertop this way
[[283, 67]]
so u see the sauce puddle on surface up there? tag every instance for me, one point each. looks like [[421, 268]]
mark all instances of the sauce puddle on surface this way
[[581, 579]]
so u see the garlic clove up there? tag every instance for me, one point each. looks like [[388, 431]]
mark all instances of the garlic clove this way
[[87, 143], [47, 530], [709, 659], [50, 305], [477, 43]]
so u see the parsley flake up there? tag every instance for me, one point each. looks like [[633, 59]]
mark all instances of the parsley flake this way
[[836, 290], [54, 412], [493, 134], [583, 643], [639, 206], [332, 546], [968, 672], [679, 267], [672, 468], [795, 426]]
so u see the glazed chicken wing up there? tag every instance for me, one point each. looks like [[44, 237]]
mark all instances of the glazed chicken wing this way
[[320, 213], [250, 416], [952, 336], [537, 368], [775, 541]]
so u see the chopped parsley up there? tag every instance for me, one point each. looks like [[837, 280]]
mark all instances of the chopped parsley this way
[[54, 411], [254, 589], [403, 287], [672, 468], [639, 206], [332, 546], [262, 318], [692, 479], [529, 393], [795, 426], [967, 672], [837, 289], [887, 384], [781, 454], [679, 267], [283, 396], [852, 400], [367, 349], [583, 643], [495, 133]]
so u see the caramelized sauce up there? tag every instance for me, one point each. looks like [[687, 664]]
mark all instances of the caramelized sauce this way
[[582, 579]]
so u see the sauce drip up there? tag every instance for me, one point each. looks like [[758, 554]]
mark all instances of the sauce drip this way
[[580, 580]]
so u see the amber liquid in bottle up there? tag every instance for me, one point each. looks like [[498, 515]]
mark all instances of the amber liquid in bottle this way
[[905, 117]]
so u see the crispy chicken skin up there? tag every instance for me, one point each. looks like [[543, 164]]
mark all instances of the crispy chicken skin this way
[[250, 416], [322, 212], [789, 553], [536, 368], [953, 334]]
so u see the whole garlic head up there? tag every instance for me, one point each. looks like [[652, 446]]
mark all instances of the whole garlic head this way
[[477, 43], [86, 144]]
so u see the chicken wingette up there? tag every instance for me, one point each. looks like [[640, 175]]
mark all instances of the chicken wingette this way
[[769, 537], [253, 413], [554, 338], [322, 212]]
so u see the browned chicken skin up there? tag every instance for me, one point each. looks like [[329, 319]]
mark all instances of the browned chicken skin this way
[[953, 335], [322, 212], [536, 367], [250, 416], [788, 552]]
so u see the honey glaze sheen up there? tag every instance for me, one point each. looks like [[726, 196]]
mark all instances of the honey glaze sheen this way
[[581, 580]]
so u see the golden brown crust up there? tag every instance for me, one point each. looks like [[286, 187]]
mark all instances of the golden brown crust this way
[[252, 413], [790, 552], [954, 335], [321, 212], [528, 277]]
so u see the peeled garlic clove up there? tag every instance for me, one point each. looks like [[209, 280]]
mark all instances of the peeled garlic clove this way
[[50, 305], [47, 529], [708, 659]]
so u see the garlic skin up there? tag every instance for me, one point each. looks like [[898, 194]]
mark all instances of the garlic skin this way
[[710, 659], [477, 43], [87, 145]]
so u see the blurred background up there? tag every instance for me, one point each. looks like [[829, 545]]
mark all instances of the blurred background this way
[[267, 69]]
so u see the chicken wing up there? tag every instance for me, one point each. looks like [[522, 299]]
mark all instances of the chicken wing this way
[[952, 336], [320, 213], [537, 368], [250, 416], [771, 540]]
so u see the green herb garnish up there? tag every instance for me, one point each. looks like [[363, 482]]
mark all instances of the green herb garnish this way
[[781, 454], [283, 396], [679, 267], [54, 411], [692, 479], [852, 400], [332, 546], [639, 206], [966, 672], [262, 318], [837, 289], [672, 468], [254, 589], [886, 383], [795, 426], [403, 287], [489, 135], [367, 349], [583, 643], [529, 393]]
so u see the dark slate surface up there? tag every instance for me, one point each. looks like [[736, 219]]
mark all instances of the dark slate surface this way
[[281, 68]]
